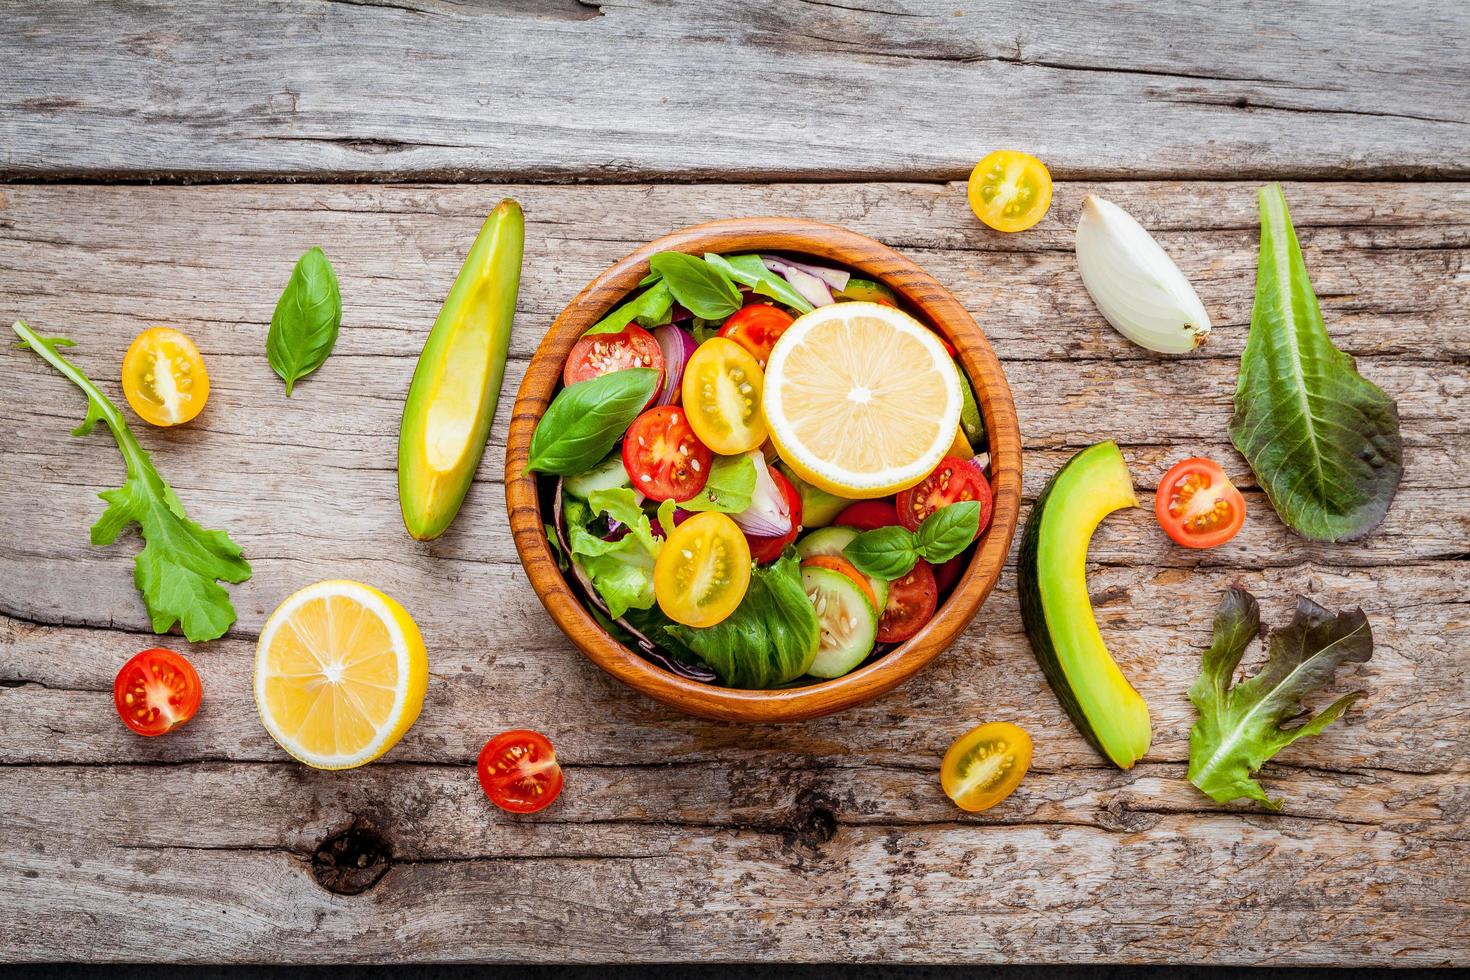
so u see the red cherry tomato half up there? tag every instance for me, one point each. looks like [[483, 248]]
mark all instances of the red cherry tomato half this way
[[948, 573], [756, 328], [868, 515], [952, 481], [766, 550], [1197, 505], [519, 772], [663, 456], [156, 692], [911, 603], [604, 353]]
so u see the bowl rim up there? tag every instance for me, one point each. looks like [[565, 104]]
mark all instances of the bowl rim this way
[[935, 305]]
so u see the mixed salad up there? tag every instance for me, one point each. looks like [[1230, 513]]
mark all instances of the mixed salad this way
[[750, 469]]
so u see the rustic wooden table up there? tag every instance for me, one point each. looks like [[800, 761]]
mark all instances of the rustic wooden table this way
[[167, 164]]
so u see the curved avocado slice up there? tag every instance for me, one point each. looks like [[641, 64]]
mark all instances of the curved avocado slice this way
[[456, 385], [1056, 610], [818, 507]]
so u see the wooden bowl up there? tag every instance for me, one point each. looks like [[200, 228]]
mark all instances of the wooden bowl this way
[[820, 241]]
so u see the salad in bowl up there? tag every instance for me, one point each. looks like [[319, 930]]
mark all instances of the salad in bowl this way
[[760, 472]]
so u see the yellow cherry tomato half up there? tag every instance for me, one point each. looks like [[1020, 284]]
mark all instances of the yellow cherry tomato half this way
[[985, 765], [702, 570], [163, 377], [1010, 190], [722, 390]]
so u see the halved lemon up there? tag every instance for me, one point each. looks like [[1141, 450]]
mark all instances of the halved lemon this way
[[861, 399], [340, 674]]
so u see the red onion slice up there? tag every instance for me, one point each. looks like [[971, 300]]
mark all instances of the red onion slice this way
[[835, 278], [677, 346], [769, 515]]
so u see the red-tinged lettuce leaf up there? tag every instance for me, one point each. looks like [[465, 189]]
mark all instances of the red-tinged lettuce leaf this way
[[1241, 727], [1322, 440], [181, 564]]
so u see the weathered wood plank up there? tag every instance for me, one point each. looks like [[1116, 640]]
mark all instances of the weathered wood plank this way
[[679, 838], [628, 89]]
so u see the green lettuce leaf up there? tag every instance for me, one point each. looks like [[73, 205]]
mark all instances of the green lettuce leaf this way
[[1241, 727], [181, 564], [770, 639], [730, 486], [1322, 440], [622, 570]]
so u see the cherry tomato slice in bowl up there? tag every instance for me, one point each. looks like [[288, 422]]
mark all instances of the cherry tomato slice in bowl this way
[[1197, 505], [603, 353], [722, 391], [156, 691], [518, 771], [663, 456], [985, 765], [911, 603], [702, 571], [952, 481], [868, 515], [757, 327], [766, 550]]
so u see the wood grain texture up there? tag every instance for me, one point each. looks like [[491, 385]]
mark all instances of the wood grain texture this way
[[679, 838], [680, 89], [933, 305]]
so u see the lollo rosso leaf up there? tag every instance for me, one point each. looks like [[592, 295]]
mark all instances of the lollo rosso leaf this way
[[699, 287], [181, 564], [1241, 727], [886, 553], [308, 315], [1322, 440], [585, 419]]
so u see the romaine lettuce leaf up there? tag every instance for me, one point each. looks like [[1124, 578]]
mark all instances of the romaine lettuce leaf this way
[[770, 639], [622, 570]]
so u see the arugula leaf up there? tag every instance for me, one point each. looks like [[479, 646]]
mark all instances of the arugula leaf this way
[[650, 308], [1322, 440], [181, 564], [750, 270], [730, 486], [770, 639], [948, 531], [622, 570], [884, 552], [307, 317], [698, 286], [584, 420], [1240, 727]]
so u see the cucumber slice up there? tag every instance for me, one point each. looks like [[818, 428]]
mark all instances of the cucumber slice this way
[[849, 623], [831, 541], [606, 475]]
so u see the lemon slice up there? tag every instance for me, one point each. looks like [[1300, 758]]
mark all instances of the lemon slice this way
[[861, 399], [340, 674]]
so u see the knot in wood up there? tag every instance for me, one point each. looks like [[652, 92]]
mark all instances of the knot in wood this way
[[351, 862]]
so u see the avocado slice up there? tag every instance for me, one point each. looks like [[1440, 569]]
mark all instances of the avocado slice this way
[[818, 507], [1056, 610], [972, 423], [456, 385], [868, 291]]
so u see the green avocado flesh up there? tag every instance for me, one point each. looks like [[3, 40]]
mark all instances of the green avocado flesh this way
[[1056, 610], [456, 385], [818, 507]]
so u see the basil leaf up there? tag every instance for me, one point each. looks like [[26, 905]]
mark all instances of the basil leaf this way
[[307, 317], [730, 486], [750, 270], [948, 531], [699, 287], [886, 552], [1322, 440], [583, 421], [650, 309]]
